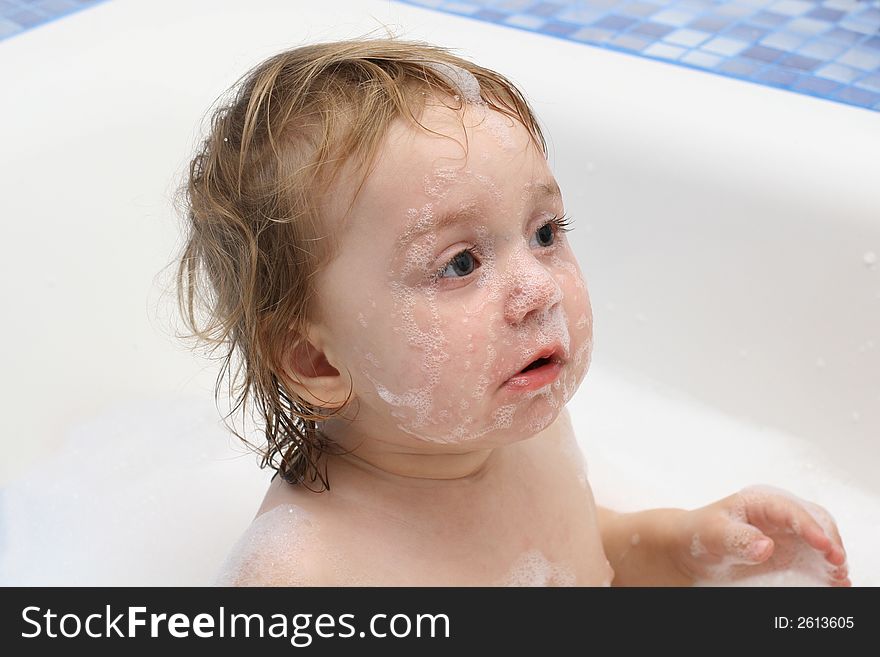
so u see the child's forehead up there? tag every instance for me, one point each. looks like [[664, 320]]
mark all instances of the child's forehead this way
[[453, 134], [450, 161], [451, 148]]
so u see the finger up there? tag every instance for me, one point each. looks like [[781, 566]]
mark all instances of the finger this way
[[746, 543], [777, 512], [769, 513], [835, 553], [817, 534], [839, 574]]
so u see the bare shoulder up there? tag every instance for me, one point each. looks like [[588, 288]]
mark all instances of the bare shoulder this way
[[282, 547]]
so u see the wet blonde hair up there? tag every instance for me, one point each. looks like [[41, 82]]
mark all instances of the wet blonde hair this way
[[255, 235]]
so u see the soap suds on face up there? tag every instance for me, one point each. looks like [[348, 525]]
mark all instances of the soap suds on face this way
[[514, 305]]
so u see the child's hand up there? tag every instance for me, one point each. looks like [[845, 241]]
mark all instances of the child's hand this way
[[760, 530]]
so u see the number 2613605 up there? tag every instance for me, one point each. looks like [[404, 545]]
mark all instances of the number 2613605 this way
[[813, 622]]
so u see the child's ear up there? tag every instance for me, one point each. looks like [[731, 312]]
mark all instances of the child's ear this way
[[310, 375]]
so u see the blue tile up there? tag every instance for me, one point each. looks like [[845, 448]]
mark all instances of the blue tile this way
[[870, 15], [769, 19], [778, 77], [819, 86], [733, 9], [632, 42], [826, 50], [857, 26], [545, 9], [55, 7], [580, 15], [724, 46], [513, 6], [791, 7], [525, 21], [844, 36], [687, 38], [838, 73], [8, 28], [739, 66], [857, 96], [762, 53], [599, 4], [615, 22], [696, 5], [461, 8], [490, 15], [843, 5], [653, 29], [800, 62], [640, 9], [783, 41], [870, 82], [558, 28], [712, 23], [863, 58], [674, 17], [826, 14], [702, 59], [592, 35], [664, 51], [25, 18], [806, 26], [746, 33]]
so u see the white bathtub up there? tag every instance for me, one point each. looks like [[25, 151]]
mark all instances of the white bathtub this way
[[728, 233]]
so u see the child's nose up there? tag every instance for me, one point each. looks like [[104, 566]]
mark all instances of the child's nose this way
[[532, 288]]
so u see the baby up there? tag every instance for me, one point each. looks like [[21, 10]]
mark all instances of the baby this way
[[375, 233]]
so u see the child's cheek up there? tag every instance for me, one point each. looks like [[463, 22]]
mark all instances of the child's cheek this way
[[580, 312]]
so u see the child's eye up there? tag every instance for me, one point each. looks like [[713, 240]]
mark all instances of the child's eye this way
[[546, 235], [461, 265]]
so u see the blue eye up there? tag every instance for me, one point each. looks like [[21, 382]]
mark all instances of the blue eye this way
[[547, 236], [461, 264]]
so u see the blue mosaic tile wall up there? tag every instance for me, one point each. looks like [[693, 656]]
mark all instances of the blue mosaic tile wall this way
[[16, 16], [824, 48]]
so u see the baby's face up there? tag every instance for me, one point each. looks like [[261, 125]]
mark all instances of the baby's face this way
[[452, 276]]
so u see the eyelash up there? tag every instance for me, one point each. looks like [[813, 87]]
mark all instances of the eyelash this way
[[563, 225]]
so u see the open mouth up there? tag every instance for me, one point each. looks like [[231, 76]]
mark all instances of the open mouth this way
[[537, 374], [537, 363]]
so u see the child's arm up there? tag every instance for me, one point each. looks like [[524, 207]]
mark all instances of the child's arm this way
[[675, 547], [639, 546]]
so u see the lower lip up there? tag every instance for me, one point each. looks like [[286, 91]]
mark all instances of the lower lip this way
[[534, 379]]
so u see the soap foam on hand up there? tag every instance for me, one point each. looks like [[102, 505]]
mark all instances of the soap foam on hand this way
[[793, 561]]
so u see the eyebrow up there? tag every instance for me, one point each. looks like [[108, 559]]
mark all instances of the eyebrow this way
[[539, 191], [543, 190]]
